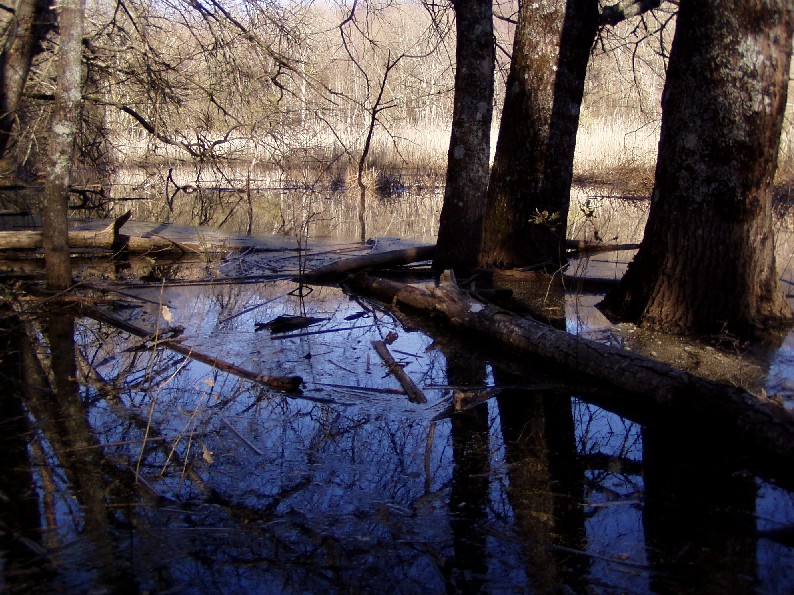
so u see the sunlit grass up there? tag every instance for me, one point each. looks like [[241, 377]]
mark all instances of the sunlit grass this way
[[617, 151]]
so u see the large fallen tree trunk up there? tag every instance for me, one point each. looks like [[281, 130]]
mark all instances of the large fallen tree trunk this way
[[340, 269], [582, 247], [762, 422], [32, 240]]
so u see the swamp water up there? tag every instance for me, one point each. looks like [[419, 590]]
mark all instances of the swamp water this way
[[156, 473]]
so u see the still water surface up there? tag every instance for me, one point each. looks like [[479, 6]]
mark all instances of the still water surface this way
[[155, 473], [127, 467]]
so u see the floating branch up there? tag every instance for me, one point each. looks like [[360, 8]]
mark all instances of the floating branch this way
[[414, 393], [289, 384]]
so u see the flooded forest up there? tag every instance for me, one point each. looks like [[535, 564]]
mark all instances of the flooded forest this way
[[255, 379]]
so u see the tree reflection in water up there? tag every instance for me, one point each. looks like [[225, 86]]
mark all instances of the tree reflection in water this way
[[155, 473]]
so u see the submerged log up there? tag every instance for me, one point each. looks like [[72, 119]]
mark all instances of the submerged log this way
[[761, 422], [340, 269]]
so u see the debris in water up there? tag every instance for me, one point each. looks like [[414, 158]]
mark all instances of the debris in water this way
[[285, 324]]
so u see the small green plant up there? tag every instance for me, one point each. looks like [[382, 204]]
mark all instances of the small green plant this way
[[544, 217]]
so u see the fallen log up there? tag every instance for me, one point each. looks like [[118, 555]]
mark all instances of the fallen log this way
[[762, 423], [342, 268], [108, 238], [32, 240], [289, 384]]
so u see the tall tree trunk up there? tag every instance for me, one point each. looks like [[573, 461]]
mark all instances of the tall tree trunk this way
[[25, 29], [527, 207], [707, 263], [61, 145], [460, 228]]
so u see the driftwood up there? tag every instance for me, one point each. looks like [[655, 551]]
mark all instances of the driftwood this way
[[760, 421], [340, 269], [108, 238], [289, 384], [414, 393]]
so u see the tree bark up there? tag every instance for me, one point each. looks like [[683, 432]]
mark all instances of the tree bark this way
[[761, 422], [706, 263], [527, 205], [68, 99], [26, 29], [468, 161]]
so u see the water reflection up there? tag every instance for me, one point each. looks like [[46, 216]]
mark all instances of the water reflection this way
[[546, 485], [153, 472], [699, 512], [468, 567], [72, 477], [19, 535]]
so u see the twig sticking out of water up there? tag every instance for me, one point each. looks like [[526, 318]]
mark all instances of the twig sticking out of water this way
[[415, 394]]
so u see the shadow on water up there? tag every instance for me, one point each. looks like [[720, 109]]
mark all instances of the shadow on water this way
[[61, 471], [126, 466]]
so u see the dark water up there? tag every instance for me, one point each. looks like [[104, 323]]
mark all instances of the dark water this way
[[131, 468]]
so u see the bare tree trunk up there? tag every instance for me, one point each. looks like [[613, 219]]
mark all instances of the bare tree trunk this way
[[26, 29], [527, 207], [707, 263], [61, 147], [460, 228]]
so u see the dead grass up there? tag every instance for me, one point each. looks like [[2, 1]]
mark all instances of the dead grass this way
[[618, 154]]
